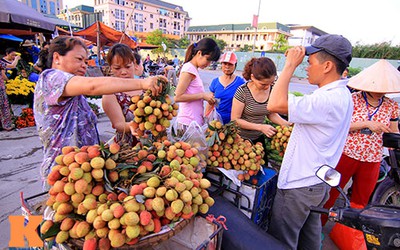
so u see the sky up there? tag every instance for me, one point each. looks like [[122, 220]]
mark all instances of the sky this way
[[361, 21]]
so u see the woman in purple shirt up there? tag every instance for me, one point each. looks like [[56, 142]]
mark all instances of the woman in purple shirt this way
[[62, 114], [190, 90]]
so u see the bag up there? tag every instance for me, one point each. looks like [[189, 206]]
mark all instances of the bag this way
[[211, 114], [346, 237], [195, 136]]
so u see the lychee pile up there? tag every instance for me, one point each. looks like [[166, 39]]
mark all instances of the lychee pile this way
[[112, 204], [228, 150], [152, 113], [278, 143]]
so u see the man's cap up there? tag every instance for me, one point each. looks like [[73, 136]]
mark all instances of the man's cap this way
[[335, 45], [228, 57]]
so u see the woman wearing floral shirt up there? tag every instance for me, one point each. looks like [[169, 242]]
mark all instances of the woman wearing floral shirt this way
[[373, 115], [62, 114]]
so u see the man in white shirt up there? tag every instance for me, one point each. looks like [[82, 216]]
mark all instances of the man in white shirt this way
[[322, 122]]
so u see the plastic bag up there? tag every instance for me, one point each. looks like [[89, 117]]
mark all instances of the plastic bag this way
[[194, 135], [211, 113], [346, 237], [175, 131]]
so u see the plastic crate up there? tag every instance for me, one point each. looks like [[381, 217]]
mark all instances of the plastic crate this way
[[255, 201]]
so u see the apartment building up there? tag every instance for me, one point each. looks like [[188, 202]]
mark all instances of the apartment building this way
[[239, 35], [51, 7], [143, 16], [82, 16]]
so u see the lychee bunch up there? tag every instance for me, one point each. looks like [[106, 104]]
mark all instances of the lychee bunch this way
[[228, 150], [152, 113]]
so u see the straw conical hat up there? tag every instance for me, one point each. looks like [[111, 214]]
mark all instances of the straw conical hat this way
[[381, 77]]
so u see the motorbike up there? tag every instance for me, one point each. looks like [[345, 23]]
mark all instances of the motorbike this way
[[387, 191], [151, 68], [380, 224]]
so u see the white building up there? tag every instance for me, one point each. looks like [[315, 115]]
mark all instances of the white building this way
[[51, 7], [143, 16], [303, 35]]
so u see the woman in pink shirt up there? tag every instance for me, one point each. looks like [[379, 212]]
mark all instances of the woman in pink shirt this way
[[190, 90]]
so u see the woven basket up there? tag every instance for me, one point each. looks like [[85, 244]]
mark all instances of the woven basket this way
[[146, 242]]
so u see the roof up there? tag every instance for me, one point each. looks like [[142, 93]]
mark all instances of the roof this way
[[82, 8], [60, 22], [242, 26], [108, 35], [164, 4]]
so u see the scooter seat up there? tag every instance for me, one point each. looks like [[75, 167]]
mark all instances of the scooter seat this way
[[242, 233]]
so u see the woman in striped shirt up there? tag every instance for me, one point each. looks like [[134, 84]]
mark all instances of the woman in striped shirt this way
[[249, 106]]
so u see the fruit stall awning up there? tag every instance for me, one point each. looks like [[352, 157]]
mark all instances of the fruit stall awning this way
[[19, 16], [108, 35]]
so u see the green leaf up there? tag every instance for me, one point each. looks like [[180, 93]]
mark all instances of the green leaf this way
[[53, 231]]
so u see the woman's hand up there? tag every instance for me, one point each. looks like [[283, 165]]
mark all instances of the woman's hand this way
[[209, 97], [378, 127], [152, 84], [268, 130]]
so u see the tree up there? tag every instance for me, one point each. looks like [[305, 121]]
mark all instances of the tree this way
[[156, 38], [281, 43], [246, 48], [221, 43], [382, 50], [183, 43]]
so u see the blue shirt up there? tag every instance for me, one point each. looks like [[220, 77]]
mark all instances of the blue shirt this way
[[225, 94]]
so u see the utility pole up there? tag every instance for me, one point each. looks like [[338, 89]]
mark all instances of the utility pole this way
[[256, 25]]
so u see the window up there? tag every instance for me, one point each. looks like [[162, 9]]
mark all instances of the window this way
[[163, 12], [117, 14], [138, 18], [151, 26], [139, 27], [151, 15], [52, 8], [119, 2], [138, 6], [177, 15], [120, 26]]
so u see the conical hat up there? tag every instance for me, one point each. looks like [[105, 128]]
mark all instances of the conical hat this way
[[381, 77]]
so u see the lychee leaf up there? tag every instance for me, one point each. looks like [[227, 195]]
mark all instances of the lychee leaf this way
[[53, 231]]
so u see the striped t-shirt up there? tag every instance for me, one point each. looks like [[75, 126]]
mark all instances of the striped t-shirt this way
[[253, 111]]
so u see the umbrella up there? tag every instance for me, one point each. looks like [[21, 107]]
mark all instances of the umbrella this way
[[11, 37], [380, 77], [107, 35], [19, 16]]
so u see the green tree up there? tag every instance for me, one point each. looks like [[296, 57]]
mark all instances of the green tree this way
[[382, 50], [183, 43], [281, 43], [221, 43], [246, 48], [156, 38]]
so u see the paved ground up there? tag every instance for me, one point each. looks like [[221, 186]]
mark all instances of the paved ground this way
[[20, 158]]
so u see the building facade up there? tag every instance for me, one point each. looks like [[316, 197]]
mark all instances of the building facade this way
[[50, 7], [82, 16], [143, 16], [239, 36], [303, 35]]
